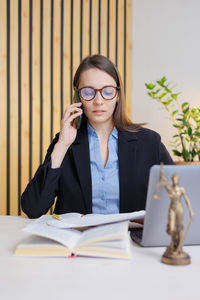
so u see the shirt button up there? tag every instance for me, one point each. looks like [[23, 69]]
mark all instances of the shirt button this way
[[103, 178]]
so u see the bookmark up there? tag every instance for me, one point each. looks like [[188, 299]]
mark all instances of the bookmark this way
[[72, 256]]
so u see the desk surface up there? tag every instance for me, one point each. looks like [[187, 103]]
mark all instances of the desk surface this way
[[143, 277]]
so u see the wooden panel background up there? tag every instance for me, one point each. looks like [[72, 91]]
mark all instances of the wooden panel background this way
[[41, 44]]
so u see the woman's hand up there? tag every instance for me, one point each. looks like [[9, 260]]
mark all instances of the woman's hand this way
[[68, 125], [67, 134]]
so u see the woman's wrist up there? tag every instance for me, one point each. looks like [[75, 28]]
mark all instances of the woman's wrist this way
[[58, 154]]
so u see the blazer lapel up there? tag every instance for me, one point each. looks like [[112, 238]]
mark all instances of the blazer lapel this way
[[127, 146], [80, 150]]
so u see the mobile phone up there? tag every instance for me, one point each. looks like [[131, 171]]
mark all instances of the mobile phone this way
[[79, 119]]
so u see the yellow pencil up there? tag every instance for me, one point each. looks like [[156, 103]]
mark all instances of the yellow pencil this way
[[57, 217]]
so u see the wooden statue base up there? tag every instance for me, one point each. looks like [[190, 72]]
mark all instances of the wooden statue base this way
[[176, 259]]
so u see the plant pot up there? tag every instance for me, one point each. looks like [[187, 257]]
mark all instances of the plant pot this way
[[188, 163]]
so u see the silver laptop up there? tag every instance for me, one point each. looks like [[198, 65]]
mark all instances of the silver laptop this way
[[156, 218]]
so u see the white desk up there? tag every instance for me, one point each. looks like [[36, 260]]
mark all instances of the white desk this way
[[142, 277]]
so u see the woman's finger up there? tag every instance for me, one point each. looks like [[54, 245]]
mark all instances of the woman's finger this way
[[72, 117], [70, 111], [78, 104]]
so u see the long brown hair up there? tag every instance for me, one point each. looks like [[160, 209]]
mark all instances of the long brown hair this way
[[121, 121]]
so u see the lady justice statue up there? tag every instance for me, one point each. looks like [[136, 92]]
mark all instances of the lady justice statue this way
[[174, 254]]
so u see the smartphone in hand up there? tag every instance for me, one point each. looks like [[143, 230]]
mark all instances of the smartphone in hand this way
[[79, 119]]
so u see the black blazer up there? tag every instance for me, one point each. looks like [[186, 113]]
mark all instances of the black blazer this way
[[71, 183]]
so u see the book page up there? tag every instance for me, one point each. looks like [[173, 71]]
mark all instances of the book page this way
[[106, 241], [93, 219], [67, 237], [35, 245], [109, 244], [116, 231]]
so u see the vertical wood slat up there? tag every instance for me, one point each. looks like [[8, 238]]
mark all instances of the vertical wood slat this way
[[120, 44], [35, 85], [112, 26], [29, 98], [25, 113], [95, 20], [46, 46], [103, 28], [129, 57], [76, 35], [14, 106], [45, 60], [25, 95], [56, 66], [19, 104], [3, 108], [66, 54], [8, 108], [86, 19]]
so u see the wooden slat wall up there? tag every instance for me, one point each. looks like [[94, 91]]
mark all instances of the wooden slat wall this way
[[41, 44], [14, 107], [3, 107]]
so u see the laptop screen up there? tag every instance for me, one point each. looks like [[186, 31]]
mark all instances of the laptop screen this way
[[156, 219]]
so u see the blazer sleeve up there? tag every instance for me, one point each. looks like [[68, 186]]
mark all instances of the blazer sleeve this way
[[41, 191], [164, 155]]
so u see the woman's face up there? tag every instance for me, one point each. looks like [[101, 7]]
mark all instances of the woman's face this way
[[98, 110]]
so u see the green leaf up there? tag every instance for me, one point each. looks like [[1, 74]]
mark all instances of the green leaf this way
[[186, 110], [176, 152], [177, 126], [193, 152], [185, 154], [174, 96], [163, 79], [190, 131], [160, 83], [184, 104], [167, 102], [176, 135], [175, 112], [151, 94], [150, 86], [197, 133], [167, 89], [183, 121], [162, 95], [157, 91]]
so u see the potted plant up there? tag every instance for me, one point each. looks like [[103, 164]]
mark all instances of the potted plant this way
[[186, 119]]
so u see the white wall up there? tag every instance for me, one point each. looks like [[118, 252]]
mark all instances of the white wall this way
[[166, 41]]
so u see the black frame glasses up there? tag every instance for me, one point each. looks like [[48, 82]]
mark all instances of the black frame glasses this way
[[98, 90]]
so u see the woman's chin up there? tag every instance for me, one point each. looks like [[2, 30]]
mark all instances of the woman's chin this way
[[99, 119]]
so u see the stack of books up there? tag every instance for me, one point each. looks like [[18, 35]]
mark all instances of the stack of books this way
[[75, 234]]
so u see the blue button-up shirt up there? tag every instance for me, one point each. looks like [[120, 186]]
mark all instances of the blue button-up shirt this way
[[105, 181]]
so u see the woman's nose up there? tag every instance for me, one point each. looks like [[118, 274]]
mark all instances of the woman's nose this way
[[98, 99]]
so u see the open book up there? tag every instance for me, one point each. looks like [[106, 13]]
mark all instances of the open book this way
[[109, 239], [74, 220], [106, 241]]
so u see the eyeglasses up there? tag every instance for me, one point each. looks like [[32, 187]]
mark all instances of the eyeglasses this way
[[107, 92]]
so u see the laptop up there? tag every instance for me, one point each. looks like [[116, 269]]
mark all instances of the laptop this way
[[156, 218]]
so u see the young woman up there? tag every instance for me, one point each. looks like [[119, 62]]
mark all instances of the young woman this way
[[103, 167]]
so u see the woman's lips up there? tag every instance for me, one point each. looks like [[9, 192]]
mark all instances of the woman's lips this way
[[98, 112]]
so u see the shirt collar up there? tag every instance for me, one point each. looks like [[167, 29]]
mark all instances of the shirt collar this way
[[115, 133], [92, 132]]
